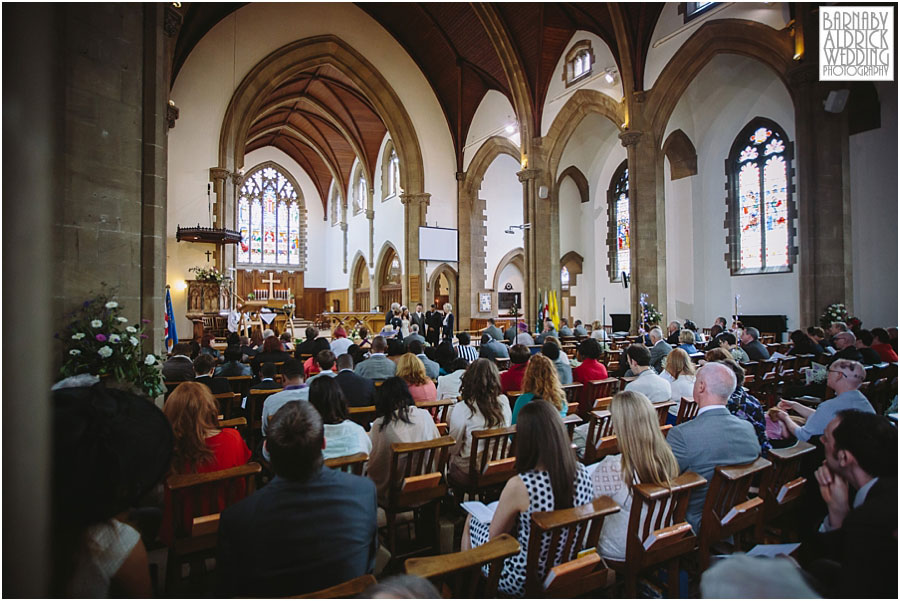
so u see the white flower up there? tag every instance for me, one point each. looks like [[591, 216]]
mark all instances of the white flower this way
[[122, 319], [74, 352], [112, 305], [134, 341], [150, 360], [96, 323], [131, 329], [115, 338], [128, 357], [105, 352], [78, 336]]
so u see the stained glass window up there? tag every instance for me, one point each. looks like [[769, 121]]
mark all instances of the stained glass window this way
[[760, 207], [620, 225], [268, 219], [393, 174], [564, 278]]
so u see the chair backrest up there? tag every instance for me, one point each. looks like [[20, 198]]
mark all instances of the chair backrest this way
[[362, 415], [493, 456], [227, 402], [570, 421], [597, 389], [569, 531], [417, 471], [352, 464], [602, 403], [785, 485], [255, 401], [344, 590], [657, 530], [573, 395], [203, 496], [662, 411], [240, 384], [687, 410], [728, 509], [459, 576], [439, 409]]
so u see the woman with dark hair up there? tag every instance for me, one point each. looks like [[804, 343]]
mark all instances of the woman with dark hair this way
[[588, 353], [548, 479], [272, 352], [483, 407], [803, 344], [342, 436], [363, 343], [256, 340], [882, 345], [398, 420], [110, 448], [232, 365], [445, 354], [287, 343], [541, 382], [511, 379]]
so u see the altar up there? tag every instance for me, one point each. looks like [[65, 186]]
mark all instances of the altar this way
[[351, 320]]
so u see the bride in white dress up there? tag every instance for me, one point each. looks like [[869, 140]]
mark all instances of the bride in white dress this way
[[404, 322], [645, 458]]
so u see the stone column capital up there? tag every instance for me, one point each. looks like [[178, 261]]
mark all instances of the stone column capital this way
[[344, 226], [460, 176], [217, 174], [237, 179], [423, 198], [630, 137], [528, 174], [370, 214]]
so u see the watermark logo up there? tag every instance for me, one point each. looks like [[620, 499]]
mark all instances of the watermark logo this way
[[856, 43]]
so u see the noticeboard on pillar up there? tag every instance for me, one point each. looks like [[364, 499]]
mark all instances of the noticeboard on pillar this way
[[438, 244]]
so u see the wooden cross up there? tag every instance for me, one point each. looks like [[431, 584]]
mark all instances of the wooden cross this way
[[207, 256], [271, 282]]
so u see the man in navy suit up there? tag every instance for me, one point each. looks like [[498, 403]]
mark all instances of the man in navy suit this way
[[359, 391], [204, 366], [310, 528], [715, 437]]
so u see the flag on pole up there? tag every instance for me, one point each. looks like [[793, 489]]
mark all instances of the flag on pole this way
[[554, 309], [546, 312], [171, 334]]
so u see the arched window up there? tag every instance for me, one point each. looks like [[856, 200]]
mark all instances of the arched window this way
[[359, 191], [760, 200], [564, 278], [335, 202], [269, 211], [390, 172], [619, 239], [579, 61]]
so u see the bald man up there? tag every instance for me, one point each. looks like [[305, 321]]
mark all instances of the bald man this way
[[715, 437], [844, 378]]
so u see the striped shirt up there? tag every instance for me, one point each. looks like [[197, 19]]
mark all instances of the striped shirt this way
[[467, 352]]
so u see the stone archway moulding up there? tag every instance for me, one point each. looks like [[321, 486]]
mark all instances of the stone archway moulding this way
[[514, 257], [681, 153], [375, 279], [359, 260], [452, 279], [578, 178]]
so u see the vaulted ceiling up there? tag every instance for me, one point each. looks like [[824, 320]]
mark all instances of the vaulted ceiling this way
[[324, 122]]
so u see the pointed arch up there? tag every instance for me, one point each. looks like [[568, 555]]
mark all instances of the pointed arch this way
[[579, 179], [514, 257], [377, 289], [574, 264], [681, 153], [360, 284], [452, 279]]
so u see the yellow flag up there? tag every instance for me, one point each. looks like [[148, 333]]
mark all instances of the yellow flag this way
[[554, 309]]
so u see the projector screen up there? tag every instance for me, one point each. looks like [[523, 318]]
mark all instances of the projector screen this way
[[438, 244]]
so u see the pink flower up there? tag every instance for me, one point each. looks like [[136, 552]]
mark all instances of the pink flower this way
[[100, 338], [145, 321]]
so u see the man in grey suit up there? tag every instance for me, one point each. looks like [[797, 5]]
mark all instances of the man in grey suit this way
[[414, 336], [432, 369], [492, 349], [659, 351], [377, 366], [715, 437], [493, 331], [418, 318]]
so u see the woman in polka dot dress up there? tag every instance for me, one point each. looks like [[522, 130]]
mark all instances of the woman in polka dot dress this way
[[549, 479]]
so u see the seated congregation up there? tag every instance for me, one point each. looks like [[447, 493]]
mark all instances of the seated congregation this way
[[578, 464]]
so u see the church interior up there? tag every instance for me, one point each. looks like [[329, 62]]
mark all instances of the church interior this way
[[291, 165]]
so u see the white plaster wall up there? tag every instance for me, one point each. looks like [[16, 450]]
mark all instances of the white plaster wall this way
[[226, 54], [679, 247], [873, 213], [491, 117], [575, 225], [512, 275], [558, 93], [671, 32], [502, 192], [722, 99]]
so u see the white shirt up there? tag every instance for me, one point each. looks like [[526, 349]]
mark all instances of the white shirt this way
[[345, 438], [448, 386], [108, 546], [339, 346], [462, 422], [683, 386], [652, 386]]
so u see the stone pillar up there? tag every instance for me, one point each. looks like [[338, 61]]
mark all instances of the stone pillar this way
[[648, 222], [344, 244], [370, 215], [221, 184], [823, 197], [414, 207], [541, 240], [471, 217]]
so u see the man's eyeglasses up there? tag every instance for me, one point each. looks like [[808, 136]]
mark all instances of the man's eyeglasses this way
[[837, 371]]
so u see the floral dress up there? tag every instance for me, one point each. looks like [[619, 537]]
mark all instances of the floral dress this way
[[745, 406], [540, 495]]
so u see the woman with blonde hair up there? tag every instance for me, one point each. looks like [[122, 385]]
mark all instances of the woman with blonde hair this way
[[540, 382], [645, 458], [679, 372], [412, 370], [597, 330], [687, 340]]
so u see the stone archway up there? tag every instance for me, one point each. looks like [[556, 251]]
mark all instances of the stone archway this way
[[433, 290], [472, 228], [574, 264], [281, 65], [377, 289], [681, 153], [515, 257], [359, 296]]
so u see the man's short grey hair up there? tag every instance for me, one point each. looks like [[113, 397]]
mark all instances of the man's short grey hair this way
[[395, 306], [267, 333], [840, 325], [752, 332], [849, 336], [656, 334], [744, 576], [413, 328], [720, 380], [675, 323]]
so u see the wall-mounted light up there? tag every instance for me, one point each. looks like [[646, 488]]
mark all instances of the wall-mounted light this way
[[511, 229], [524, 161], [610, 74], [180, 285], [512, 128]]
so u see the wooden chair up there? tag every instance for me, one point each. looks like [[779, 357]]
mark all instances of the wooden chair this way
[[570, 421], [502, 363], [600, 428], [727, 509], [657, 531], [662, 411], [785, 485], [352, 464], [227, 402], [573, 394], [203, 497], [416, 483], [602, 403], [238, 423], [439, 410], [240, 384], [362, 415], [492, 460], [687, 410], [570, 531], [596, 389], [255, 401], [459, 575], [344, 590]]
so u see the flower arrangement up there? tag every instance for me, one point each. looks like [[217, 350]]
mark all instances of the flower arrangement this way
[[834, 312], [101, 342], [251, 296], [650, 314], [210, 274]]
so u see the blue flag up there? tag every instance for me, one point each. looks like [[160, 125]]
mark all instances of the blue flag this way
[[171, 334]]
